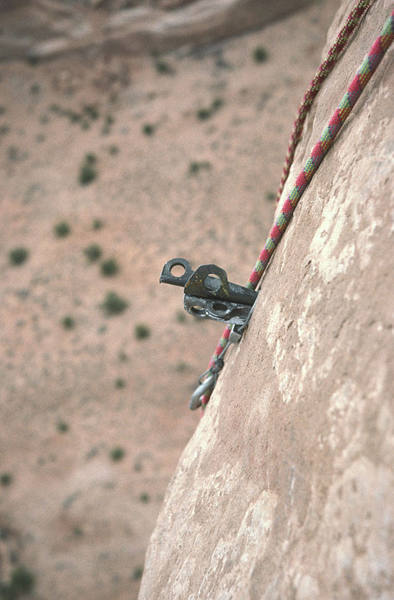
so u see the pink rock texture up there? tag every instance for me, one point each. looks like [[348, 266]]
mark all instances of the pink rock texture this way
[[285, 489]]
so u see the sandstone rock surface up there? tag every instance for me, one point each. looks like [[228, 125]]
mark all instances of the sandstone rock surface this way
[[285, 489], [48, 28]]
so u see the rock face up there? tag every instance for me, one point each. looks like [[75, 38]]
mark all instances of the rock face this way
[[48, 28], [285, 489]]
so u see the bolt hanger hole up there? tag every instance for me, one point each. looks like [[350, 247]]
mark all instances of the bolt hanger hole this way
[[177, 270], [219, 307]]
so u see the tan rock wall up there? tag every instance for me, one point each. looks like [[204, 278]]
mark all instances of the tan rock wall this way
[[285, 489], [49, 28]]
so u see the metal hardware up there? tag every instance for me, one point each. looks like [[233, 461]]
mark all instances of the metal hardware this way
[[201, 389], [167, 277], [207, 380], [229, 312], [209, 294], [235, 336]]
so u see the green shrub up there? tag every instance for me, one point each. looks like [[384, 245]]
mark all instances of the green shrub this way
[[6, 479], [62, 427], [97, 224], [22, 581], [164, 68], [90, 158], [73, 116], [144, 497], [270, 196], [260, 54], [35, 88], [91, 111], [120, 383], [18, 256], [117, 453], [55, 108], [141, 331], [148, 129], [68, 322], [113, 150], [93, 252], [88, 169], [62, 229], [108, 122], [114, 304], [196, 166], [109, 267], [137, 573], [14, 153], [206, 113], [20, 584], [217, 103], [84, 117], [87, 174]]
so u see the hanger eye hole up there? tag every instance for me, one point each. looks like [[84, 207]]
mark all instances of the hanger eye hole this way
[[177, 270]]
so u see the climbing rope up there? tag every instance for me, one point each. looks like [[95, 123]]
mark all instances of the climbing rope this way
[[363, 75], [342, 41]]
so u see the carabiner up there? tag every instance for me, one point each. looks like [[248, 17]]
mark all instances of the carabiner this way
[[205, 386]]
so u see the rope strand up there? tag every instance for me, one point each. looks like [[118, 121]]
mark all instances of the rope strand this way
[[342, 41], [363, 75]]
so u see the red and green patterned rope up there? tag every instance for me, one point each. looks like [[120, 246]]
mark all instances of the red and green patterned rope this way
[[363, 75], [341, 42]]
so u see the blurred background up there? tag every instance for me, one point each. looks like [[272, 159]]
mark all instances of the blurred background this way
[[130, 133]]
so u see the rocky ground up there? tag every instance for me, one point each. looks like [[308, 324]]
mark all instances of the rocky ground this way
[[109, 167]]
